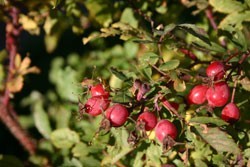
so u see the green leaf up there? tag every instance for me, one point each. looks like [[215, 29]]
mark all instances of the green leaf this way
[[195, 31], [10, 161], [128, 17], [118, 74], [207, 120], [213, 47], [41, 120], [170, 65], [227, 6], [64, 138], [235, 19], [80, 150], [179, 86], [138, 159], [219, 140], [236, 36], [147, 72], [148, 58], [122, 97], [153, 154], [169, 28]]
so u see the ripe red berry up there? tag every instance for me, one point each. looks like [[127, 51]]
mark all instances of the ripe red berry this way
[[216, 70], [164, 128], [117, 115], [230, 113], [95, 105], [149, 119], [218, 94], [98, 90], [198, 94]]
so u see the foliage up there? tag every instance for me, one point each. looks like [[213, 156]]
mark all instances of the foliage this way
[[162, 46]]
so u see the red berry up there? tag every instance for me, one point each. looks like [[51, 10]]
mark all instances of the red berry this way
[[218, 95], [149, 119], [95, 105], [164, 128], [117, 114], [230, 113], [98, 90], [198, 94], [216, 70]]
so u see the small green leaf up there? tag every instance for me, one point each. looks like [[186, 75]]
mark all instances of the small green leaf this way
[[213, 47], [206, 120], [118, 74], [169, 28], [235, 19], [128, 17], [153, 155], [218, 139], [179, 85], [147, 72], [195, 31], [64, 138], [138, 159], [122, 97], [227, 6], [148, 58], [41, 120], [80, 150], [170, 65]]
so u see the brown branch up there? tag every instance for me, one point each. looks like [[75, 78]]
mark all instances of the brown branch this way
[[7, 114], [16, 130], [209, 15]]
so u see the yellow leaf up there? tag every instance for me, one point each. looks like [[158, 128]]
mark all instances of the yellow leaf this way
[[24, 64], [16, 84], [32, 69]]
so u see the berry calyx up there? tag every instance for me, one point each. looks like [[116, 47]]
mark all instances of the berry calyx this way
[[218, 94], [230, 113], [149, 119], [95, 105], [98, 90], [198, 94], [117, 115], [216, 70], [164, 128]]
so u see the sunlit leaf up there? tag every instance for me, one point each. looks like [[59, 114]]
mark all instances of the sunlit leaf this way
[[218, 139], [169, 65], [227, 6], [195, 31], [208, 120]]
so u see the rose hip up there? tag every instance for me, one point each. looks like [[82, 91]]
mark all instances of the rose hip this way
[[117, 115]]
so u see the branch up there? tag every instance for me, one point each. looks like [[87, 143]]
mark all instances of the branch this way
[[16, 130]]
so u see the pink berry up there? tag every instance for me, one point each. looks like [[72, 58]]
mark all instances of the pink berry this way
[[98, 90], [149, 119], [198, 94], [230, 113], [218, 94], [95, 105], [117, 115], [216, 70], [164, 128]]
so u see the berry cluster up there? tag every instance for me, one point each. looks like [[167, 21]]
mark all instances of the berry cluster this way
[[117, 114], [216, 93], [99, 102]]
